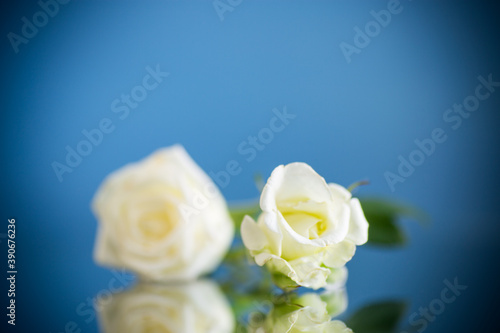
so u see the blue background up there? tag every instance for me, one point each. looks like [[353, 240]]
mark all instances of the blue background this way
[[352, 122]]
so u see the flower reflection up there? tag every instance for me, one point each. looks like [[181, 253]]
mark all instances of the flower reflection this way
[[191, 307], [310, 312]]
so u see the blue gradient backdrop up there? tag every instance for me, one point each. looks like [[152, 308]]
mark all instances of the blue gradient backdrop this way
[[352, 122]]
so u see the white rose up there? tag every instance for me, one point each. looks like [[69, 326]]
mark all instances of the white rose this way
[[307, 227], [195, 307], [307, 313], [162, 217]]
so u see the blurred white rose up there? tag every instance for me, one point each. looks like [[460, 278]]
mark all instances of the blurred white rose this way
[[195, 307], [307, 313], [162, 217], [307, 227]]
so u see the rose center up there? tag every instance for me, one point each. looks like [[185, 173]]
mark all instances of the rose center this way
[[156, 225], [308, 225]]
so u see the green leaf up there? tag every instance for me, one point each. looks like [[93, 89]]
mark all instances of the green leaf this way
[[383, 214], [384, 231], [381, 206], [284, 282], [381, 317]]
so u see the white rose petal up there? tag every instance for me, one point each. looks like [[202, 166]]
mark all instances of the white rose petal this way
[[253, 236], [337, 255], [337, 326], [358, 226]]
